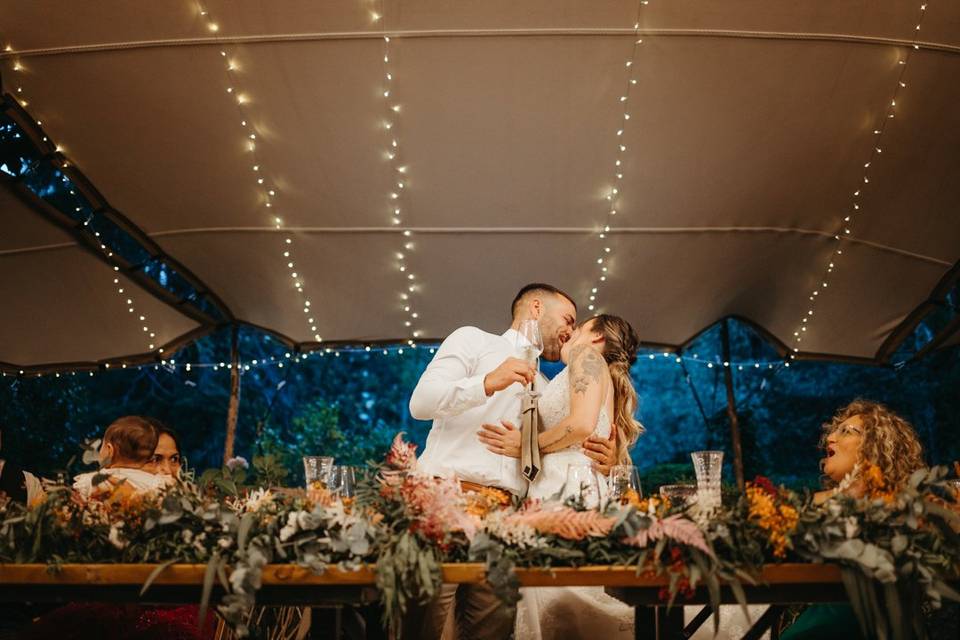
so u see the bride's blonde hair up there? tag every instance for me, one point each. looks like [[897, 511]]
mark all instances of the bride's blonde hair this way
[[620, 352]]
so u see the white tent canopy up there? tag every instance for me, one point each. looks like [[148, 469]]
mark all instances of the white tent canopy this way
[[749, 127]]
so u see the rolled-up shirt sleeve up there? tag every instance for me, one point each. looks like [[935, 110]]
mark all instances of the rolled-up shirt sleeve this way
[[451, 385]]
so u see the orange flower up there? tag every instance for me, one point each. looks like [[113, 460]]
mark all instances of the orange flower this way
[[659, 505], [486, 499], [777, 520], [877, 487], [319, 494]]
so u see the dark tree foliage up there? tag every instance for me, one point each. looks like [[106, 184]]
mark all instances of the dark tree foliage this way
[[351, 405]]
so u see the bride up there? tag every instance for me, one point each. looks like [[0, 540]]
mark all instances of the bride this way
[[592, 396]]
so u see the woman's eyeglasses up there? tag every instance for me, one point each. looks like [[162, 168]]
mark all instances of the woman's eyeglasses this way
[[847, 430]]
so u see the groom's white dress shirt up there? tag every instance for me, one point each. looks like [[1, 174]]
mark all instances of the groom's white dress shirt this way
[[140, 480], [450, 393]]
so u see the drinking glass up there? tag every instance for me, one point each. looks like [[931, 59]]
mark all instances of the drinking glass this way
[[342, 481], [316, 469], [623, 479], [582, 484], [529, 345], [708, 465], [679, 495]]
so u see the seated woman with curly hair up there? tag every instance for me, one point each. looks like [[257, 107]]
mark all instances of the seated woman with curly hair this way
[[867, 433], [862, 435]]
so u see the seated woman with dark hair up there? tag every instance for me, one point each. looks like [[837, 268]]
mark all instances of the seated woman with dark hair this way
[[166, 459], [861, 434]]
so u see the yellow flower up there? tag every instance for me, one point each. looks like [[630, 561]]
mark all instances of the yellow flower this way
[[777, 521]]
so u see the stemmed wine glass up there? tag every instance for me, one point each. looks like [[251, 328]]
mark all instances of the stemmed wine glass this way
[[530, 346]]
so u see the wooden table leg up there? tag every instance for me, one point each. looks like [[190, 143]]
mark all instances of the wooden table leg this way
[[767, 621], [644, 622], [670, 623]]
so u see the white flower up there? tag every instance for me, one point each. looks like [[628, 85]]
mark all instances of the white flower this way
[[257, 500], [114, 536], [515, 534], [290, 528], [851, 527], [224, 543], [238, 461]]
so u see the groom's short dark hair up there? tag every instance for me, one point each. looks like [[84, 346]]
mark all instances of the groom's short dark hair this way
[[537, 287]]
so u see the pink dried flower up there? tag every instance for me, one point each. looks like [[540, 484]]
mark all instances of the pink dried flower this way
[[402, 456], [677, 528], [563, 521], [437, 506]]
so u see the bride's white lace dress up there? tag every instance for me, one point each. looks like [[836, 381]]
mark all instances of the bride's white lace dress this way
[[567, 612]]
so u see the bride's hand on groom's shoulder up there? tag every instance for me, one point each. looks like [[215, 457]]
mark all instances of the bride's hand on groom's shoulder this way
[[603, 452], [503, 438]]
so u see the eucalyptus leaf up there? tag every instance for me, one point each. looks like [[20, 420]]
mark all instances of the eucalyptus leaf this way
[[154, 574], [208, 576]]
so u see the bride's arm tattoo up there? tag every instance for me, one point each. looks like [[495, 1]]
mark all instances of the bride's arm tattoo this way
[[586, 368]]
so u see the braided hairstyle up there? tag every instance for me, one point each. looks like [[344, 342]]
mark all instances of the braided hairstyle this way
[[620, 352]]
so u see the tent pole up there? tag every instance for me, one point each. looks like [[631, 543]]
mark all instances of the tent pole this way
[[696, 396], [732, 408], [234, 406]]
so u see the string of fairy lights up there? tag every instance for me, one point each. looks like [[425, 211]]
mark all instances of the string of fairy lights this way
[[614, 194], [291, 359], [264, 188], [855, 207], [397, 202], [128, 298]]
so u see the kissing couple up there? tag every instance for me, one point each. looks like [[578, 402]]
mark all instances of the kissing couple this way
[[471, 390]]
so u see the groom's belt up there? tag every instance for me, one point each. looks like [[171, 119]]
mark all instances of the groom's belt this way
[[466, 485], [503, 495]]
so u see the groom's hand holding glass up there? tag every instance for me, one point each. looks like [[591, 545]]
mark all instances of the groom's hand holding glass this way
[[510, 371]]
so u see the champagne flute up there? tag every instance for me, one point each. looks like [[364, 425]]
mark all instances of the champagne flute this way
[[530, 346]]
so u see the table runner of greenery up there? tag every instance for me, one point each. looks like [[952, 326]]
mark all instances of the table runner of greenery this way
[[897, 550]]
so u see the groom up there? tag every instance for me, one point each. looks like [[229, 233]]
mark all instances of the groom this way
[[475, 378]]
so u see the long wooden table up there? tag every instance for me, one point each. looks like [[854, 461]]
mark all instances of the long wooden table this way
[[292, 585]]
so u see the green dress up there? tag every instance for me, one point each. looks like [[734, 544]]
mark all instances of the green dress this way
[[825, 621]]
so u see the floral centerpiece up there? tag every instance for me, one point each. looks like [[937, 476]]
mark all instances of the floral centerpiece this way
[[898, 550]]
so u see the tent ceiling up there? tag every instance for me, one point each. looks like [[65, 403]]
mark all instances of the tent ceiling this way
[[60, 302], [751, 122]]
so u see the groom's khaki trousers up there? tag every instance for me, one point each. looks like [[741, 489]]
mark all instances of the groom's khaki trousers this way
[[460, 612]]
